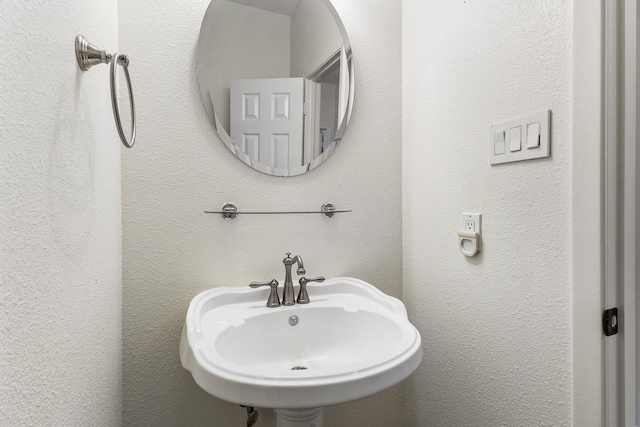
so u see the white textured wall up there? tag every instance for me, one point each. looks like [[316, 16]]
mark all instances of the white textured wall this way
[[179, 168], [60, 221], [497, 327]]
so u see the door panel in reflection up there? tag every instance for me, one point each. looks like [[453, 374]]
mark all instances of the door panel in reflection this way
[[267, 120]]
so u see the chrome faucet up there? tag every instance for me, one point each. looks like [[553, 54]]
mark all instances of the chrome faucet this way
[[288, 297]]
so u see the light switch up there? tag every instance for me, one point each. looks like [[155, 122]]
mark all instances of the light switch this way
[[498, 143], [521, 138], [533, 135], [515, 139]]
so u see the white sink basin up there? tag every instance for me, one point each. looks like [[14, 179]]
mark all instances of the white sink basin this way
[[351, 341]]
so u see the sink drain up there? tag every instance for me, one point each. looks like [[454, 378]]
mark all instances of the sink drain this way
[[298, 368]]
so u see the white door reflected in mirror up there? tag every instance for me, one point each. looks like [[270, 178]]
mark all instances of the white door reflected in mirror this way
[[267, 120]]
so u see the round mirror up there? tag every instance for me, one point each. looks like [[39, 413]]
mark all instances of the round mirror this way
[[277, 81]]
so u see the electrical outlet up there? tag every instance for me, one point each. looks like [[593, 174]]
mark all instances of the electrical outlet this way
[[472, 222], [469, 238]]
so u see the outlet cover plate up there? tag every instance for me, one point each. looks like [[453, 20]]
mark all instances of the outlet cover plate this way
[[475, 218]]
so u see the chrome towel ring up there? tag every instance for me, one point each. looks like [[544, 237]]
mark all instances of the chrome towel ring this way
[[124, 62], [88, 56]]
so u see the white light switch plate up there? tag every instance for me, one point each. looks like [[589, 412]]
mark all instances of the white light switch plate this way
[[528, 149]]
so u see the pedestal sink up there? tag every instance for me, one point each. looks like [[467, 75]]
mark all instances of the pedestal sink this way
[[349, 342]]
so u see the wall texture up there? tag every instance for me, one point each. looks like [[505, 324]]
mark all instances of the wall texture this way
[[179, 168], [497, 327], [60, 222]]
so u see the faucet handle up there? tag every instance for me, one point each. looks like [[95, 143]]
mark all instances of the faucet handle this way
[[274, 298], [272, 282], [303, 295]]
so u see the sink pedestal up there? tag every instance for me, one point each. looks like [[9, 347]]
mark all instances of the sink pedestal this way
[[299, 417]]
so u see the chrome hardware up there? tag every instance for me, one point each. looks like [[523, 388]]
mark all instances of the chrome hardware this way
[[87, 56], [328, 210], [123, 61], [230, 211], [288, 297], [293, 320], [303, 296], [274, 299]]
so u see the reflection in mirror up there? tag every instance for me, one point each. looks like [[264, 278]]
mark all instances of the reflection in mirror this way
[[276, 78]]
